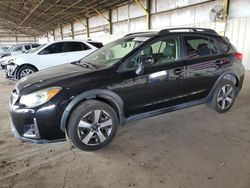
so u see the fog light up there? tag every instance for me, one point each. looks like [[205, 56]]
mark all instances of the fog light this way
[[31, 131]]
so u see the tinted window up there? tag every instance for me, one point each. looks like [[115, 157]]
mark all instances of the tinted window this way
[[74, 46], [199, 46], [35, 45], [85, 46], [96, 44], [53, 48], [27, 47], [163, 51], [225, 46]]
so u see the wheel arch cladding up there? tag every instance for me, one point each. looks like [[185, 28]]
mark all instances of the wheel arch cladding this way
[[103, 95], [26, 64], [227, 75], [233, 78]]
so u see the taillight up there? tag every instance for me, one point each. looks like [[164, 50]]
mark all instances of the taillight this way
[[238, 55]]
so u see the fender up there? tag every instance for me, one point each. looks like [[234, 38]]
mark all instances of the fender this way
[[96, 93], [19, 66], [227, 72]]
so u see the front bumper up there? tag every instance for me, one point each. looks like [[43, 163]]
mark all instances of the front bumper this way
[[10, 71], [37, 125], [30, 139]]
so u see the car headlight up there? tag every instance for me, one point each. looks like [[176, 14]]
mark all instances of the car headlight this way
[[39, 97], [7, 62], [11, 61], [11, 67]]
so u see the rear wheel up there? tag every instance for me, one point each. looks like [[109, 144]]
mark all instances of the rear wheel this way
[[92, 125], [224, 96], [24, 71]]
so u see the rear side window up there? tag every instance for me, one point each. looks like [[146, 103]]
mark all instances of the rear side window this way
[[225, 46], [199, 46], [72, 46], [96, 44], [35, 45], [27, 47]]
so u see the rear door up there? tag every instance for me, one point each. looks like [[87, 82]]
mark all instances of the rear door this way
[[76, 50], [202, 64]]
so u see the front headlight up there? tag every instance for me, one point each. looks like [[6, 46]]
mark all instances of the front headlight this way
[[39, 97], [11, 61], [7, 62]]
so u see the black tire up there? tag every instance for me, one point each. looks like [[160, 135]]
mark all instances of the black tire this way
[[23, 68], [216, 102], [80, 113]]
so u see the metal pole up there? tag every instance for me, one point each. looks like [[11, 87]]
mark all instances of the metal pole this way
[[87, 26], [146, 10], [110, 22]]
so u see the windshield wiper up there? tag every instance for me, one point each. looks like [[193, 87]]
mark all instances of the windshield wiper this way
[[85, 64]]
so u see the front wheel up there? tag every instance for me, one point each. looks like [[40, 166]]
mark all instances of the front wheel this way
[[92, 125], [24, 71], [224, 96]]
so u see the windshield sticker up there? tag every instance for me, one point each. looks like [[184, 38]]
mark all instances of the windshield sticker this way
[[141, 39]]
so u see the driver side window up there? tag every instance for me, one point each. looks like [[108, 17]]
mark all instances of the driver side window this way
[[53, 49], [159, 52]]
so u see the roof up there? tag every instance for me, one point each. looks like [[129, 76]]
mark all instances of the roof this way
[[34, 17]]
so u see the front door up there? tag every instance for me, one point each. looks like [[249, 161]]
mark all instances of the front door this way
[[53, 55], [161, 83]]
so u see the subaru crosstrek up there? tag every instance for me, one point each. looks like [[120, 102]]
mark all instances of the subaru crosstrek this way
[[135, 77]]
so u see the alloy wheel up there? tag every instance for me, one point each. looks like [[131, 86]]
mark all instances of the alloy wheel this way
[[26, 72], [95, 127], [225, 97]]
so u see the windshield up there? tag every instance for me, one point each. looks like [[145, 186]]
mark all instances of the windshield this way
[[11, 48], [36, 49], [113, 52]]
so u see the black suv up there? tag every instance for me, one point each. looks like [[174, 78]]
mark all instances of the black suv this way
[[135, 77]]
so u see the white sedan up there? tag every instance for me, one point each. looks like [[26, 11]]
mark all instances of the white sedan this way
[[48, 55]]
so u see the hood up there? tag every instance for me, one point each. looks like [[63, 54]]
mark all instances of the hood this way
[[7, 58], [4, 54], [54, 76]]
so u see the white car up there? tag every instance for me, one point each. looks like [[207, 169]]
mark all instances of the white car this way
[[48, 55], [18, 49]]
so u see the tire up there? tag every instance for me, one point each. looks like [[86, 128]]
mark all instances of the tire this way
[[224, 96], [24, 71], [92, 125]]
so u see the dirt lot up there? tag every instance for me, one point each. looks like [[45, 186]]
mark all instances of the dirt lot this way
[[194, 148]]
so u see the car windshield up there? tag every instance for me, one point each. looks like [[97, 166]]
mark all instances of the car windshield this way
[[33, 50], [113, 52], [11, 48]]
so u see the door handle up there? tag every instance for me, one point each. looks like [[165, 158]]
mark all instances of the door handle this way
[[178, 71], [219, 63]]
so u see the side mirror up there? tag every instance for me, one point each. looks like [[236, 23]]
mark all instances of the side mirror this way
[[144, 63], [147, 61]]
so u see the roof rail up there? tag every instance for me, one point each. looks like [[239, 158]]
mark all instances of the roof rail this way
[[190, 29], [145, 32]]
